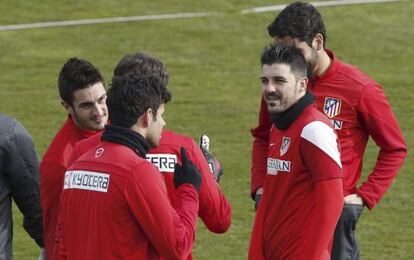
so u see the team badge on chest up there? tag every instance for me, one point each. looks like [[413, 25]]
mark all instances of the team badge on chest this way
[[332, 107], [285, 145]]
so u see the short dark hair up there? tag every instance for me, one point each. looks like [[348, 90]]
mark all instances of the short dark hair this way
[[144, 65], [290, 55], [77, 74], [131, 95], [298, 20]]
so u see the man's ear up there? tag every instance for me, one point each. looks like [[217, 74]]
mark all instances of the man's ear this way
[[303, 84], [67, 107], [317, 42], [147, 117]]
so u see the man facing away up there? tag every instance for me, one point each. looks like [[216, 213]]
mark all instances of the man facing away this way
[[114, 202], [357, 108], [302, 193], [81, 88], [215, 210], [19, 179]]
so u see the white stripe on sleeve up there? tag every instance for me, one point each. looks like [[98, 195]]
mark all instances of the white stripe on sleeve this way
[[324, 137]]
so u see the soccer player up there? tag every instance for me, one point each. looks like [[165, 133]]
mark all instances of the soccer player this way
[[19, 179], [81, 88], [114, 203], [357, 108], [215, 210], [302, 193]]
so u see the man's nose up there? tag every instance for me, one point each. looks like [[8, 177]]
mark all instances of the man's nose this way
[[269, 87], [98, 109]]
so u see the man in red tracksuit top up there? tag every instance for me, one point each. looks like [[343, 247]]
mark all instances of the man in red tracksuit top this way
[[357, 108], [83, 96], [114, 202], [302, 193], [215, 210]]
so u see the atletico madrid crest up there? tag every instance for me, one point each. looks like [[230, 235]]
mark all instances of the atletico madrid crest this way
[[332, 107], [285, 145]]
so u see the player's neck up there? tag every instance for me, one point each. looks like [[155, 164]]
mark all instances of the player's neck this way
[[324, 63]]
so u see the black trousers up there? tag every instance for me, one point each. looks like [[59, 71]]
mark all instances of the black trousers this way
[[345, 245]]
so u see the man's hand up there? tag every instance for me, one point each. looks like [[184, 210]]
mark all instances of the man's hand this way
[[215, 166], [353, 199], [257, 197], [187, 173]]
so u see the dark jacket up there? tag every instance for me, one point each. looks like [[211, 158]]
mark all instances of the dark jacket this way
[[19, 179]]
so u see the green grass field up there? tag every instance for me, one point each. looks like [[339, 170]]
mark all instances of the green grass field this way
[[214, 68]]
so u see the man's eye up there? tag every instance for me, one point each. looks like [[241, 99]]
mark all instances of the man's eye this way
[[102, 100], [85, 106], [279, 80]]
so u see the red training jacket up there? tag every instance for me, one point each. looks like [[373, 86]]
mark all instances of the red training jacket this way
[[114, 205]]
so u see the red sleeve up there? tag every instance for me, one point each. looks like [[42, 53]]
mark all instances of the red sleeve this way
[[376, 114], [327, 210], [171, 231], [320, 154], [215, 210], [260, 148], [51, 185]]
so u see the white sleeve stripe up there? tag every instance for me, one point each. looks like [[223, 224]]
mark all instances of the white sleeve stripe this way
[[323, 137]]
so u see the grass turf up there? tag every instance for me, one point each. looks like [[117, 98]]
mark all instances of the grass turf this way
[[214, 69]]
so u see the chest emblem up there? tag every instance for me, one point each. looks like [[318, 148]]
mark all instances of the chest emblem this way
[[332, 107], [285, 145], [99, 152]]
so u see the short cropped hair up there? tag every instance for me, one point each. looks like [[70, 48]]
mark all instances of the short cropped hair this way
[[77, 74], [284, 54], [298, 20], [131, 95], [143, 65]]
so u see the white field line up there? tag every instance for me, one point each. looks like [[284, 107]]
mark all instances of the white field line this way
[[177, 15], [316, 4], [103, 20]]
